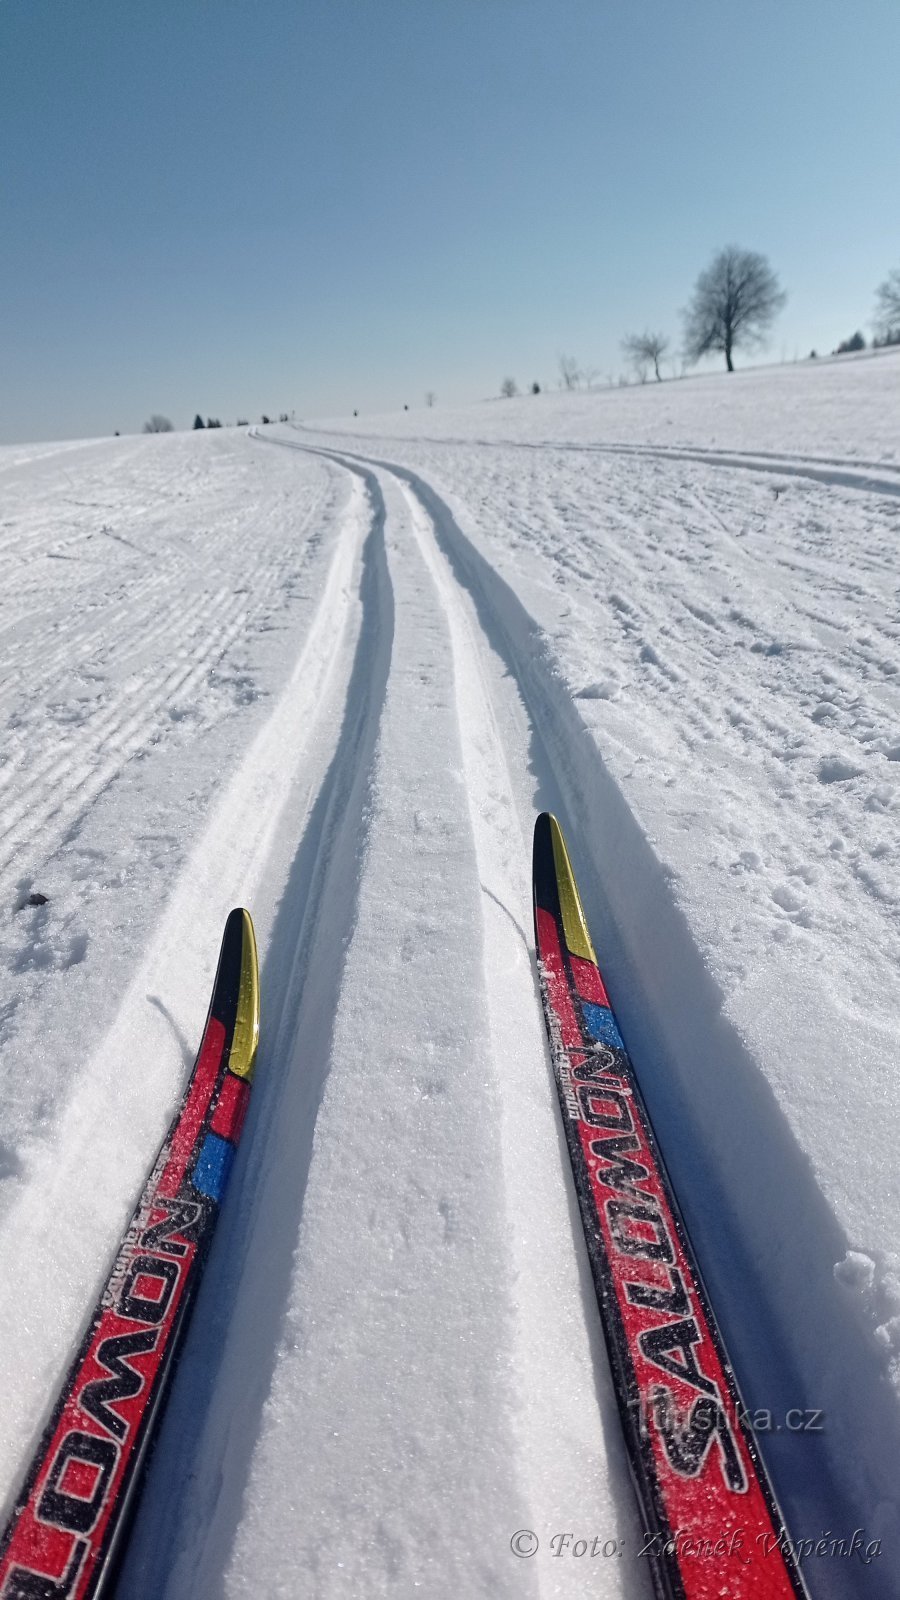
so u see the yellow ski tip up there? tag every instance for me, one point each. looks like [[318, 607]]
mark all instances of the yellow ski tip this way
[[245, 1040], [575, 928]]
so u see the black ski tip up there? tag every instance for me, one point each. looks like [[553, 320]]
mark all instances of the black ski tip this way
[[543, 838], [227, 987], [543, 866]]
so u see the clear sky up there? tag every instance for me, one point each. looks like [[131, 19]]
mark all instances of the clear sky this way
[[237, 206]]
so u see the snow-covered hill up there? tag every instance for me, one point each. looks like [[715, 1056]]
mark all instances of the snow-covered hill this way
[[332, 672]]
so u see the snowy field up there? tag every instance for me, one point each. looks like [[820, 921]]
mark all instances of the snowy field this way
[[332, 671]]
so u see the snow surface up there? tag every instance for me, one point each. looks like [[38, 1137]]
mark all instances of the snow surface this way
[[332, 672]]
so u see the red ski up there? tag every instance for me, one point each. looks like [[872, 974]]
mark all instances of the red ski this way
[[712, 1523], [68, 1523]]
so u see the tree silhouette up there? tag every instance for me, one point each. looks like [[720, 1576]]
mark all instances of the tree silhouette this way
[[735, 302], [887, 307], [642, 349]]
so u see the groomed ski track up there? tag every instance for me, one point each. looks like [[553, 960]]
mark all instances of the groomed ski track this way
[[426, 1404], [395, 1362], [469, 732]]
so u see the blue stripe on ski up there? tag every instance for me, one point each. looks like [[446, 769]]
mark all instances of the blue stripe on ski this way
[[601, 1024], [210, 1175]]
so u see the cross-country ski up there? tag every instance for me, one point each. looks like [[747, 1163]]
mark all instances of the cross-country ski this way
[[71, 1515], [703, 1490]]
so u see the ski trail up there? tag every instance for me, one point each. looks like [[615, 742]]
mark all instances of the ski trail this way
[[386, 1306], [193, 1496], [832, 474], [394, 1366], [722, 1131], [833, 471], [573, 1461], [857, 464], [131, 684], [391, 1364], [723, 1134], [87, 1174]]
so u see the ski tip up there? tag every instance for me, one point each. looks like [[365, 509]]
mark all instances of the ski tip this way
[[542, 850], [245, 1039], [554, 880], [543, 872]]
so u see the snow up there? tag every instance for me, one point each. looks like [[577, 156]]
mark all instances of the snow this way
[[331, 672]]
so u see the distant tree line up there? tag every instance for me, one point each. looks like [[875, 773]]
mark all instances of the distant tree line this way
[[160, 424], [734, 303]]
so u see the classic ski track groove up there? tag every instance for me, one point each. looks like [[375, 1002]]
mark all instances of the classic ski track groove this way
[[241, 1306], [242, 1302], [545, 1249], [225, 868]]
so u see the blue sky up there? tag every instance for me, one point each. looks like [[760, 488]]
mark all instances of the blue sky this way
[[313, 205]]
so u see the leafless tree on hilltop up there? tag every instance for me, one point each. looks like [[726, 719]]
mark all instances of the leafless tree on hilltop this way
[[642, 350], [735, 302]]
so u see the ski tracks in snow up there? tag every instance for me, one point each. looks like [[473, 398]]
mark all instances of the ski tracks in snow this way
[[407, 1362], [425, 1334], [396, 1363], [85, 1163]]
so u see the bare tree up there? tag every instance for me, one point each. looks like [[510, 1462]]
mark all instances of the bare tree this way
[[642, 349], [569, 372], [887, 307], [508, 388], [158, 424], [735, 302]]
